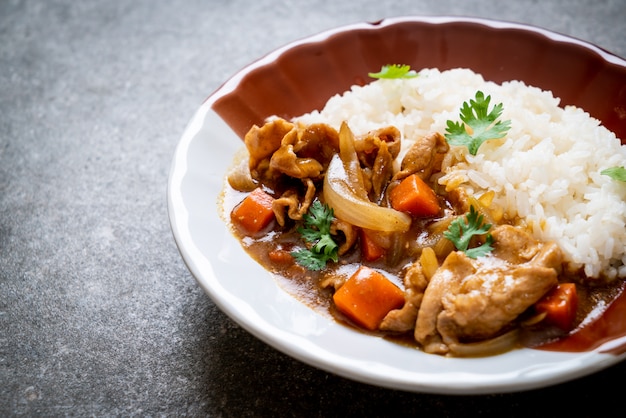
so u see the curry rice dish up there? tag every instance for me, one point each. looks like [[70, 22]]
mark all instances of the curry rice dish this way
[[438, 209]]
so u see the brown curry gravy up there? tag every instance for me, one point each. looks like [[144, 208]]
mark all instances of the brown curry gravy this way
[[600, 317]]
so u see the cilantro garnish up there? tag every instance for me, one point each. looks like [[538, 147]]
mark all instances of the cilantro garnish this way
[[463, 229], [394, 71], [616, 173], [316, 231], [481, 122]]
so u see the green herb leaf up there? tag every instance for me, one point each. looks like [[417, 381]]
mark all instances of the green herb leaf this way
[[463, 229], [394, 71], [616, 173], [309, 259], [482, 250], [316, 231], [481, 122]]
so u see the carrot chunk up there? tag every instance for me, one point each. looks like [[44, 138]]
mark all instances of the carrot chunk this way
[[370, 250], [367, 296], [414, 196], [560, 305], [280, 256], [254, 212]]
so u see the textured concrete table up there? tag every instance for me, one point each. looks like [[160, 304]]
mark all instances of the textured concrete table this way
[[98, 314]]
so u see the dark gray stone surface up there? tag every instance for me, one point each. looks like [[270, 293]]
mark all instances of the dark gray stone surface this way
[[98, 314]]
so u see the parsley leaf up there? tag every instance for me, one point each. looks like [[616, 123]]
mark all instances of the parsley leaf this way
[[309, 259], [616, 173], [463, 229], [316, 231], [481, 122], [394, 71]]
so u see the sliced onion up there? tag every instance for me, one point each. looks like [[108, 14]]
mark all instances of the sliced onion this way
[[349, 207], [493, 346], [351, 164], [535, 319]]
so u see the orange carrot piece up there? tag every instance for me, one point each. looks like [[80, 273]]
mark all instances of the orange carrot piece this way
[[280, 256], [254, 212], [560, 305], [367, 296], [414, 196], [370, 250]]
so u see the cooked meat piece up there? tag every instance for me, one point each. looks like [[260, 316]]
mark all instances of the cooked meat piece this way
[[367, 145], [348, 231], [470, 299], [333, 280], [261, 142], [446, 280], [424, 157], [318, 141], [376, 151], [550, 256], [305, 151], [515, 245], [290, 201], [491, 298], [286, 161], [460, 200], [280, 147], [381, 173], [403, 319]]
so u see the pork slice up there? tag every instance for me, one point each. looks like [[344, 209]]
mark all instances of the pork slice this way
[[475, 299], [445, 281]]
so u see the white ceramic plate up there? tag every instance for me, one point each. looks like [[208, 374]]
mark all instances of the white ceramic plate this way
[[249, 295]]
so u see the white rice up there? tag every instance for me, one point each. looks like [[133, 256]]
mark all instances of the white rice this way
[[545, 171]]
